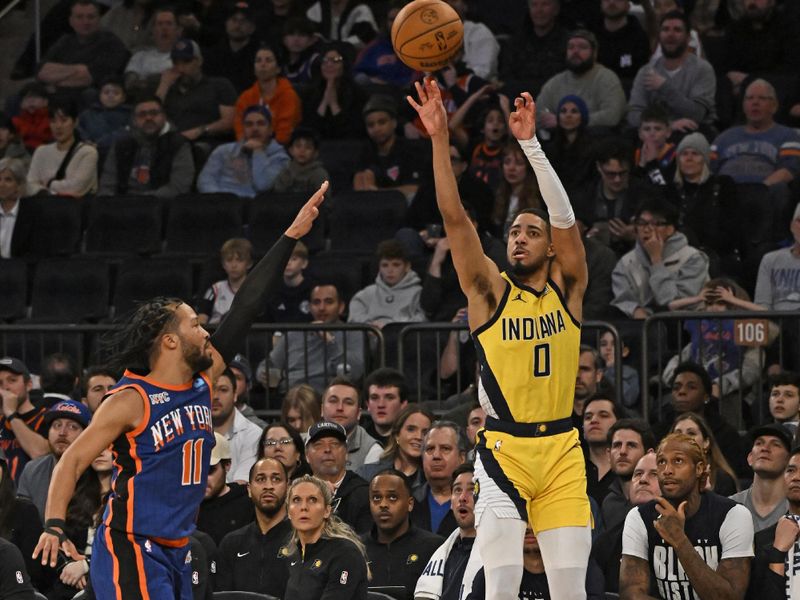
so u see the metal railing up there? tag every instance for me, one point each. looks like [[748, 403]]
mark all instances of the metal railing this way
[[751, 335]]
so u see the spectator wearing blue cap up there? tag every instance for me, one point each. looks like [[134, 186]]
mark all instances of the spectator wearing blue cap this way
[[62, 424], [570, 149], [247, 167]]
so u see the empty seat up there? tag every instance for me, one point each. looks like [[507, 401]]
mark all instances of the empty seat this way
[[359, 220], [57, 226], [201, 223], [340, 158], [344, 271], [69, 291], [139, 280], [270, 214], [14, 286], [32, 346], [124, 225]]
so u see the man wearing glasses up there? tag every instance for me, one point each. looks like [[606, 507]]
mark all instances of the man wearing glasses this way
[[242, 434], [152, 160], [661, 268]]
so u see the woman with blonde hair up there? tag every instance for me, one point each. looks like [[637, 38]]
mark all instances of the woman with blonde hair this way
[[721, 477], [325, 554], [301, 407]]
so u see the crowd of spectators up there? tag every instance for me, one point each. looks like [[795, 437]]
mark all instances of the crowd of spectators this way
[[673, 128]]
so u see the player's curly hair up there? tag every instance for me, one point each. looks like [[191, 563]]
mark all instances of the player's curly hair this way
[[333, 527], [131, 346]]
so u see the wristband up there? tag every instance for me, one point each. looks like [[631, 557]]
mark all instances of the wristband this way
[[775, 556], [12, 416], [60, 523]]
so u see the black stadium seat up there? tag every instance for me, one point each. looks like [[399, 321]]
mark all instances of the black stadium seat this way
[[119, 225], [270, 214], [69, 291], [359, 220], [233, 595], [57, 228], [139, 280], [14, 286], [340, 158], [200, 223]]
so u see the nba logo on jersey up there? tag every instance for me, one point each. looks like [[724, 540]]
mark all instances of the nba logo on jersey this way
[[343, 578], [148, 546]]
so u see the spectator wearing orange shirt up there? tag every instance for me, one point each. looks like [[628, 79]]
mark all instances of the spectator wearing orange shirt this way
[[273, 91]]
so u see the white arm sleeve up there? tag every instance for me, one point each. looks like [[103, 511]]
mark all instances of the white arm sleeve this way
[[555, 197], [736, 534], [634, 535]]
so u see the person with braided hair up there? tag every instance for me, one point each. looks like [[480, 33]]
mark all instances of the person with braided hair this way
[[689, 542], [158, 424]]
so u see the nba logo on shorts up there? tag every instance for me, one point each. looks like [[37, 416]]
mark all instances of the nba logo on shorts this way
[[195, 578], [343, 578]]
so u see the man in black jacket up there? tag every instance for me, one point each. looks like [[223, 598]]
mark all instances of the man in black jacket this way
[[152, 160], [326, 452], [397, 551], [253, 558]]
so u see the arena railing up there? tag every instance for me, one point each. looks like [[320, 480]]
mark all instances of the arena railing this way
[[742, 345], [420, 347]]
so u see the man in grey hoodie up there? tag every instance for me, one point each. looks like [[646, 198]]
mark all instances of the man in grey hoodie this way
[[394, 297], [661, 268]]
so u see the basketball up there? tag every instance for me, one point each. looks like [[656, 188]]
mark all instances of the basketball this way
[[426, 34]]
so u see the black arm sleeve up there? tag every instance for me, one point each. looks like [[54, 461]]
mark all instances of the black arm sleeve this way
[[250, 299]]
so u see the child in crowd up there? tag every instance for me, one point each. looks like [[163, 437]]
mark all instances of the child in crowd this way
[[237, 258], [630, 376], [302, 49], [304, 173], [10, 144], [394, 297], [107, 117], [655, 158], [289, 302], [33, 121]]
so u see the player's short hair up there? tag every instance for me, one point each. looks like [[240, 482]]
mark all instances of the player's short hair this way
[[240, 248], [637, 425], [466, 467], [387, 377]]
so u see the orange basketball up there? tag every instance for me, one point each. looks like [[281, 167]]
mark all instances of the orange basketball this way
[[426, 34]]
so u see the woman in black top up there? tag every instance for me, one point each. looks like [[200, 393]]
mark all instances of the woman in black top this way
[[570, 150], [283, 442], [327, 561]]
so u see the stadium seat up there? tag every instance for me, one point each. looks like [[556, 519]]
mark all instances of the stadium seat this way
[[69, 291], [359, 220], [57, 229], [396, 592], [344, 271], [14, 283], [270, 214], [139, 280], [200, 223], [340, 158], [372, 595], [120, 225], [32, 346]]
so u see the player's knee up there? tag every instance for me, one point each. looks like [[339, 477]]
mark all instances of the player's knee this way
[[502, 583], [562, 583]]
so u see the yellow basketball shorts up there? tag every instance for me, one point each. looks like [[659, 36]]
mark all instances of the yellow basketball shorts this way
[[541, 480]]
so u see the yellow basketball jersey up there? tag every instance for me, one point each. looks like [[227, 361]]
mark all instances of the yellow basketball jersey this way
[[528, 354]]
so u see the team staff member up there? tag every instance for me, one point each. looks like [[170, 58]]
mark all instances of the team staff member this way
[[397, 551], [253, 558], [690, 543], [327, 560], [525, 323], [159, 428]]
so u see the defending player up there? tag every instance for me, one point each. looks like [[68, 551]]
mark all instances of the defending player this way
[[158, 422], [526, 327]]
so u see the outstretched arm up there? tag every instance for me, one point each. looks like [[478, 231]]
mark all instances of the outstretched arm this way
[[249, 300], [570, 253], [475, 271]]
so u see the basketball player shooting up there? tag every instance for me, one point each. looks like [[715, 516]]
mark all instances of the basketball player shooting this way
[[525, 323], [158, 424]]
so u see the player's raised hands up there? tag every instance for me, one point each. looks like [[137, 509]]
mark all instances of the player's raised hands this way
[[522, 122], [305, 218], [430, 108]]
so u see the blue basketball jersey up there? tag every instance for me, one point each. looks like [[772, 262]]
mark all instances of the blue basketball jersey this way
[[161, 467]]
